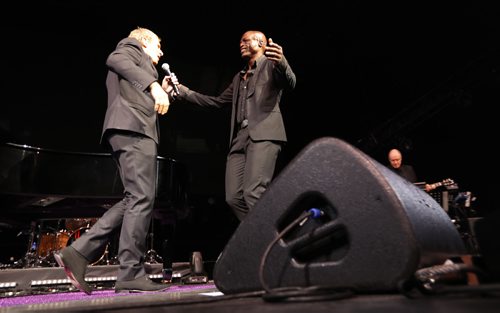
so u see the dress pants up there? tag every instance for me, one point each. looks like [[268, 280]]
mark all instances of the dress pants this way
[[250, 168], [136, 157]]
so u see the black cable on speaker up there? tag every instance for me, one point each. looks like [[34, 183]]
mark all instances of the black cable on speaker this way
[[309, 293]]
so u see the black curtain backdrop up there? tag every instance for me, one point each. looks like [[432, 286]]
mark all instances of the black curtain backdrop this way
[[419, 75]]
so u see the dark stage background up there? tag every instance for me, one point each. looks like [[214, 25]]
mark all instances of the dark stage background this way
[[418, 75]]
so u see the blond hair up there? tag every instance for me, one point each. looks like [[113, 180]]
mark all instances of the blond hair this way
[[143, 35]]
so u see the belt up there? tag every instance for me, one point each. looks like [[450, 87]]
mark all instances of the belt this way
[[244, 123]]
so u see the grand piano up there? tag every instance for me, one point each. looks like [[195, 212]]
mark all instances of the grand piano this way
[[43, 183], [71, 189]]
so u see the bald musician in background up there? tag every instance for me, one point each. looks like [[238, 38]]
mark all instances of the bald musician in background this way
[[404, 170]]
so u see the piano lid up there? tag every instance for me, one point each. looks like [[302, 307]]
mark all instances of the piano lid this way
[[36, 171], [36, 177]]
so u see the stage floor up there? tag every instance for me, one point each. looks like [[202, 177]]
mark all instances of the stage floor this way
[[206, 298], [44, 280], [46, 290]]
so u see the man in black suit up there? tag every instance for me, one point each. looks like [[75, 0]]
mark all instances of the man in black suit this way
[[135, 98], [257, 128]]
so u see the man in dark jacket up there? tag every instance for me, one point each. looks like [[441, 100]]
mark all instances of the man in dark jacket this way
[[257, 128], [135, 98]]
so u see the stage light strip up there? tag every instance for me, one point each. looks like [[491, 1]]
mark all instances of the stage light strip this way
[[154, 276], [46, 282], [99, 279], [8, 285], [49, 282]]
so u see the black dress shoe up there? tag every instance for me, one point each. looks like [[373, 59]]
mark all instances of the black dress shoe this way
[[75, 266], [143, 284]]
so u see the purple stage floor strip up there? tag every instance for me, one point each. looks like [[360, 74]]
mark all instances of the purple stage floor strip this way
[[69, 296]]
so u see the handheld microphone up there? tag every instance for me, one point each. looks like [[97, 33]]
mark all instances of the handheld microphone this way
[[166, 69]]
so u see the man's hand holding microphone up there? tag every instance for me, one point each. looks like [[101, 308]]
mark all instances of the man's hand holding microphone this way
[[170, 82]]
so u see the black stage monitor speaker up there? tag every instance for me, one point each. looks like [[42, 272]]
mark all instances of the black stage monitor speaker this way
[[375, 230]]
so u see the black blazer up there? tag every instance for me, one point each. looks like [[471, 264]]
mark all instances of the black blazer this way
[[265, 89], [130, 104]]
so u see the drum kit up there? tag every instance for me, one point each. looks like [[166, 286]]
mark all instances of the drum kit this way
[[49, 236]]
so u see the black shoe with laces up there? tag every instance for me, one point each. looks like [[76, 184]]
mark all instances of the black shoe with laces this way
[[143, 284]]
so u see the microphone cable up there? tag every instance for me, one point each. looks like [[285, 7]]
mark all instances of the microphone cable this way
[[298, 293]]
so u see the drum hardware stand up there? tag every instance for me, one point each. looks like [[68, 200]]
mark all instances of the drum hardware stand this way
[[198, 274], [110, 261], [30, 259], [105, 259]]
